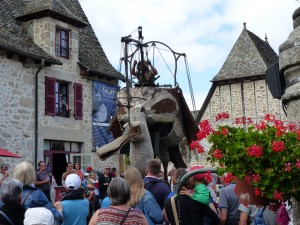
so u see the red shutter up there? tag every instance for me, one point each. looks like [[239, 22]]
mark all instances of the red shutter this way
[[50, 96], [78, 109]]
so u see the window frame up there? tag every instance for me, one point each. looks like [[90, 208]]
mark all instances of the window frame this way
[[53, 88], [62, 42]]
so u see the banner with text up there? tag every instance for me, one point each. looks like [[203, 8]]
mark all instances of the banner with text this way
[[104, 108]]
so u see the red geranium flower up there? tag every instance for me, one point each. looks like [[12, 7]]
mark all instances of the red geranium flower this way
[[278, 146]]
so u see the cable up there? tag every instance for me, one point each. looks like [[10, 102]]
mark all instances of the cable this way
[[190, 85]]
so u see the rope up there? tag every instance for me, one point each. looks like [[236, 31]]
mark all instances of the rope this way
[[165, 61], [190, 85]]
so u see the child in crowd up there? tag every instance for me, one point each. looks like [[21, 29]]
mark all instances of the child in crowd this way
[[93, 186], [201, 192]]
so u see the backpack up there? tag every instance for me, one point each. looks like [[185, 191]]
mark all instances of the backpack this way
[[259, 218]]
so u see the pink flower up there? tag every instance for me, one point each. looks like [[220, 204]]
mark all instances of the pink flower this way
[[249, 120], [261, 126], [223, 115], [256, 178], [208, 177], [228, 178], [218, 154], [257, 192], [200, 149], [268, 118], [278, 146], [224, 131], [277, 195], [298, 164], [292, 127], [255, 151], [288, 167], [248, 179]]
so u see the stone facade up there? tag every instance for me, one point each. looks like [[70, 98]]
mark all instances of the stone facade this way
[[257, 101], [19, 68]]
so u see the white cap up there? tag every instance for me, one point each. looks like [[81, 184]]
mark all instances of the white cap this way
[[73, 182], [86, 174], [38, 215]]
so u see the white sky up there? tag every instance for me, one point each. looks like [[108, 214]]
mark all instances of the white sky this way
[[204, 30]]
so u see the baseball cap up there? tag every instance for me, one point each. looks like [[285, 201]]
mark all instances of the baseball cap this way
[[89, 169], [198, 176], [86, 174], [38, 215], [73, 182]]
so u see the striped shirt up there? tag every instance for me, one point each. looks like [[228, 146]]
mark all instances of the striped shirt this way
[[114, 216]]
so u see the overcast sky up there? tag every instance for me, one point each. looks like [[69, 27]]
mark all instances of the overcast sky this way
[[204, 30]]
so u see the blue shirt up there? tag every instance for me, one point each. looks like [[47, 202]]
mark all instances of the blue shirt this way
[[75, 211]]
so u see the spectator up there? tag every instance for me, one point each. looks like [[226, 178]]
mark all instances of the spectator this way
[[176, 176], [89, 169], [113, 172], [69, 170], [4, 175], [75, 206], [93, 186], [31, 196], [38, 215], [119, 212], [104, 180], [170, 177], [142, 199], [247, 214], [43, 180], [78, 170], [84, 180], [11, 195], [228, 204], [191, 212], [158, 188]]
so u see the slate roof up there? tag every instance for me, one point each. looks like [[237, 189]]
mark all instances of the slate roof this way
[[53, 8], [91, 54], [14, 39], [249, 56]]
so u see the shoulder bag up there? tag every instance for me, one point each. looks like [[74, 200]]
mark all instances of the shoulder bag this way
[[124, 218], [174, 210], [7, 218]]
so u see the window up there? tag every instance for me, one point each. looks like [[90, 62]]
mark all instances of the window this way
[[63, 146], [62, 43], [57, 98]]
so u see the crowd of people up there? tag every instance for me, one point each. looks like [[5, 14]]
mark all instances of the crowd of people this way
[[103, 198]]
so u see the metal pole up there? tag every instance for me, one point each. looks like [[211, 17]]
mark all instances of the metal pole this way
[[183, 180]]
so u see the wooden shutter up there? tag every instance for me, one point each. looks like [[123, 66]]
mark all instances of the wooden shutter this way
[[50, 96], [78, 109]]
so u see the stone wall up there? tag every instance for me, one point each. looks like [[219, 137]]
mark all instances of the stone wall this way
[[257, 102], [17, 98], [17, 107]]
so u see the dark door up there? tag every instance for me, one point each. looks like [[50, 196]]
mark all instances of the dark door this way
[[59, 166]]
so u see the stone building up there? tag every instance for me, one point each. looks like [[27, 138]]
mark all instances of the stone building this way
[[50, 58], [240, 87]]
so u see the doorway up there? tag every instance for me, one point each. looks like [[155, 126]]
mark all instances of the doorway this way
[[59, 163]]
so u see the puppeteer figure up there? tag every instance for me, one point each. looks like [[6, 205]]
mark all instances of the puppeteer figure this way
[[63, 107], [145, 73]]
